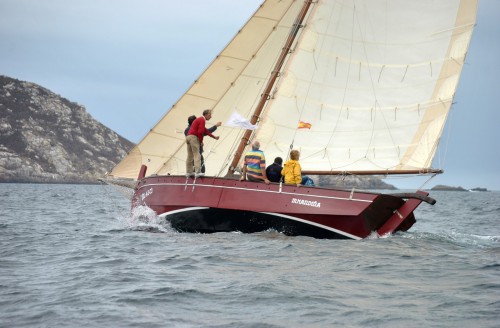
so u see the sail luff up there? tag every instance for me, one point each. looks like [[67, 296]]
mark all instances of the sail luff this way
[[271, 83]]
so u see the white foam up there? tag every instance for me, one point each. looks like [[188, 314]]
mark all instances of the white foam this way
[[144, 218]]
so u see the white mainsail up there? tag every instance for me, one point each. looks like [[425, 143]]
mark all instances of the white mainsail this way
[[375, 79]]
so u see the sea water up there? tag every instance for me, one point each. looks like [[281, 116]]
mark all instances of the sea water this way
[[74, 256]]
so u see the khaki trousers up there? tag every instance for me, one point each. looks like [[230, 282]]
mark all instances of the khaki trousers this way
[[193, 154]]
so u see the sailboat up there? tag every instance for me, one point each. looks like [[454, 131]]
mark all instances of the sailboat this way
[[359, 87]]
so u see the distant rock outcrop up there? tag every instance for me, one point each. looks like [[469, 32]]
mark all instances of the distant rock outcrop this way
[[448, 188], [47, 138], [479, 189], [352, 181]]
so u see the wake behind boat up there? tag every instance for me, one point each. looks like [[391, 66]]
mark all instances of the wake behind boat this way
[[359, 87]]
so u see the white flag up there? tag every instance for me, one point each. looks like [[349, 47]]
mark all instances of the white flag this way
[[238, 121]]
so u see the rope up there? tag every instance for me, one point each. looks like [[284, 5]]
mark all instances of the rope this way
[[426, 182], [122, 190]]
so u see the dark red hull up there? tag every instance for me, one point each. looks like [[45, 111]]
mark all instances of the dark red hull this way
[[212, 204]]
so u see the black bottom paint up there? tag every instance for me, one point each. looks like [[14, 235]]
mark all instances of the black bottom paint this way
[[212, 220]]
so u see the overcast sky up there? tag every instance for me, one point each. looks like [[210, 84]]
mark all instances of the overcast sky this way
[[128, 61]]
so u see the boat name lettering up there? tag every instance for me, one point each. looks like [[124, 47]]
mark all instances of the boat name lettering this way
[[146, 193], [305, 202]]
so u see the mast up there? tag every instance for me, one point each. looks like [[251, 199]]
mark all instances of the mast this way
[[270, 84]]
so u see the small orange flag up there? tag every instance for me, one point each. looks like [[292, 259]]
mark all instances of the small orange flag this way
[[304, 125]]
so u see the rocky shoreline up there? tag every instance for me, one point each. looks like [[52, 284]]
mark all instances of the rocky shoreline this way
[[45, 138]]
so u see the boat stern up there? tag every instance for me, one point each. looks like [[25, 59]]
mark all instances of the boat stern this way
[[402, 217]]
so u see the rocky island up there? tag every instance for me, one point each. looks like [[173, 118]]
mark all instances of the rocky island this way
[[450, 188], [47, 138], [478, 189]]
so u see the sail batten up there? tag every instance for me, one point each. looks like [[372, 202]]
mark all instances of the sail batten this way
[[374, 80]]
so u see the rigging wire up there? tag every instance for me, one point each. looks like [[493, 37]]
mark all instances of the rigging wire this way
[[301, 108], [126, 192], [347, 79], [448, 137], [426, 182], [299, 29], [240, 133], [372, 84]]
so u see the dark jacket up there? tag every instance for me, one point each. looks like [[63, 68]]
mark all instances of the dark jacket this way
[[273, 172]]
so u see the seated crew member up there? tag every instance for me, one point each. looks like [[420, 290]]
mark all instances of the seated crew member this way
[[254, 167], [273, 171], [292, 170]]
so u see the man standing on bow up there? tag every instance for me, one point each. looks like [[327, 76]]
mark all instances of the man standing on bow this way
[[194, 141], [211, 129]]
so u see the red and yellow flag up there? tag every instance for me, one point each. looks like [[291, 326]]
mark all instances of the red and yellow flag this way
[[304, 125]]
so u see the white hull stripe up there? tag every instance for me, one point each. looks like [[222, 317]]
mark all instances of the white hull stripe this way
[[255, 190], [340, 232], [189, 209]]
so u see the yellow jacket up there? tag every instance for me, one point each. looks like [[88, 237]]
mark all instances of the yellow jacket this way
[[292, 172]]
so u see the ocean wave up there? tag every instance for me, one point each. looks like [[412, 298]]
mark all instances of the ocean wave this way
[[456, 238]]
